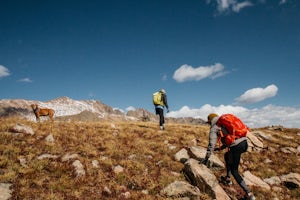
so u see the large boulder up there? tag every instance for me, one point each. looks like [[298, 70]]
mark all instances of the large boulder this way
[[253, 180], [291, 180], [199, 153], [202, 177], [182, 155], [254, 143]]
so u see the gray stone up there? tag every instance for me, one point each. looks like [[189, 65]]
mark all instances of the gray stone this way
[[202, 177], [252, 180], [291, 180], [180, 189], [5, 191], [21, 128]]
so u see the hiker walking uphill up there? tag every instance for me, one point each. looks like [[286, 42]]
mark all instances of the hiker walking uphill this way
[[160, 101], [231, 132]]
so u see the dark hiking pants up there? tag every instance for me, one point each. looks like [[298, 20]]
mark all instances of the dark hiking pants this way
[[160, 112], [232, 160]]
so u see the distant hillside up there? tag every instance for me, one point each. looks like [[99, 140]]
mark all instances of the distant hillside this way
[[67, 109]]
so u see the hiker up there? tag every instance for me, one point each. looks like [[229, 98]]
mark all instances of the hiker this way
[[236, 146], [160, 102]]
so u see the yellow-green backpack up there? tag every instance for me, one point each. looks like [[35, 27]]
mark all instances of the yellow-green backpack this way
[[157, 98]]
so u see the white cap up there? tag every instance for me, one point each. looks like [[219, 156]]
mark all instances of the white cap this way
[[162, 91]]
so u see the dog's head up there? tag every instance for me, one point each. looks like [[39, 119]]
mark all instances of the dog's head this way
[[34, 106]]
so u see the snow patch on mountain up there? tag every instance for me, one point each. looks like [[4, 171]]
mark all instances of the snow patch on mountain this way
[[63, 106]]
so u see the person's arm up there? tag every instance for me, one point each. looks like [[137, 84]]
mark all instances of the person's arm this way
[[212, 141], [165, 101]]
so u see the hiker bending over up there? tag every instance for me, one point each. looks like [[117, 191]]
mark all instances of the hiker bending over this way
[[231, 133], [160, 101]]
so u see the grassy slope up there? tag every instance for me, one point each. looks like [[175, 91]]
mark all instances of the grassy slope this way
[[138, 147]]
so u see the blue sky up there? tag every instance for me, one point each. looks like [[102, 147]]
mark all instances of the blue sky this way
[[209, 55]]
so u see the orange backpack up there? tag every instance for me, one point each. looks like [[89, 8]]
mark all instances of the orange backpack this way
[[234, 126]]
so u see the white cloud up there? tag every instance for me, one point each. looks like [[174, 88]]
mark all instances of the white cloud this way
[[4, 71], [26, 80], [237, 7], [259, 117], [188, 73], [257, 94], [224, 6]]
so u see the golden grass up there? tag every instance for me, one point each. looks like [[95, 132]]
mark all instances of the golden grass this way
[[139, 147]]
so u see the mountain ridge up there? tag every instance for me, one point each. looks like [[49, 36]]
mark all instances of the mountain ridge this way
[[68, 109]]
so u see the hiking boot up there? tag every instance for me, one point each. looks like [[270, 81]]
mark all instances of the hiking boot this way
[[250, 196], [226, 180]]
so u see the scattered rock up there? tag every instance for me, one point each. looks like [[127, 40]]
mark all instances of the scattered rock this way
[[288, 150], [49, 138], [291, 180], [193, 142], [172, 147], [5, 191], [263, 135], [146, 192], [125, 195], [46, 156], [182, 155], [180, 189], [68, 157], [132, 157], [21, 128], [104, 158], [106, 191], [276, 128], [22, 161], [95, 164], [275, 180], [268, 160], [79, 169], [255, 141], [118, 169], [252, 180]]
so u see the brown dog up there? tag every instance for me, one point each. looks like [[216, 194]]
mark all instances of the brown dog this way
[[42, 112]]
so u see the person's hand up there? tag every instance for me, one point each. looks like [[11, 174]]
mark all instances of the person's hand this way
[[204, 162], [217, 149]]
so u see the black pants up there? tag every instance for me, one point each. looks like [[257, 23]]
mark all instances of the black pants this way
[[232, 160], [160, 112]]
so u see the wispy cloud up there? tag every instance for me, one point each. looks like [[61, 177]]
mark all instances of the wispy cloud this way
[[188, 73], [239, 6], [257, 94], [3, 71], [164, 77], [228, 6], [25, 80], [282, 2], [259, 117], [225, 6]]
